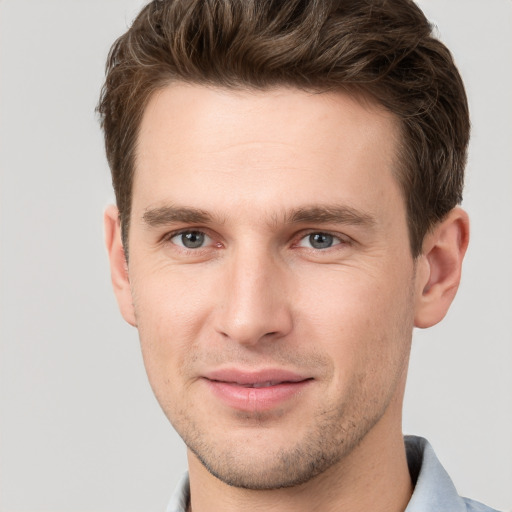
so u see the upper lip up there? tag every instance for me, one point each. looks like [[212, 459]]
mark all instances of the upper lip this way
[[269, 376]]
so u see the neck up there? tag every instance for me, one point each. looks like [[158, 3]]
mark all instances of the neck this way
[[374, 476]]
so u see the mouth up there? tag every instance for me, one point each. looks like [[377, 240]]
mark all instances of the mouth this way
[[256, 391], [261, 384]]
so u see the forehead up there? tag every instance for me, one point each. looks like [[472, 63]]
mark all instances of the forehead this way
[[264, 146], [281, 114]]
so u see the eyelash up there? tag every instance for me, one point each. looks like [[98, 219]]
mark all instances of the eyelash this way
[[342, 240], [168, 239]]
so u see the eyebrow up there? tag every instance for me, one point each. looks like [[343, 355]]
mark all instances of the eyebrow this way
[[316, 214], [330, 214], [163, 215]]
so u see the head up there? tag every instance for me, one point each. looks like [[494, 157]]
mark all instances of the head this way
[[383, 50], [286, 176]]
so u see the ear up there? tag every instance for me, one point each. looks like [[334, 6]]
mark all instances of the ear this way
[[118, 264], [439, 268]]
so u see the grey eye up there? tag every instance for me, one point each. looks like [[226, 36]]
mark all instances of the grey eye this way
[[190, 239], [319, 241]]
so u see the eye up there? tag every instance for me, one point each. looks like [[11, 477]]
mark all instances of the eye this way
[[319, 241], [191, 239]]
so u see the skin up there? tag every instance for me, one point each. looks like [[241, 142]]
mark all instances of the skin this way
[[258, 173]]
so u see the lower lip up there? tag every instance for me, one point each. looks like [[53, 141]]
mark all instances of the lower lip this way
[[256, 399]]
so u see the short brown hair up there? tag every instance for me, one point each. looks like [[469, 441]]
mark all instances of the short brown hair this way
[[381, 48]]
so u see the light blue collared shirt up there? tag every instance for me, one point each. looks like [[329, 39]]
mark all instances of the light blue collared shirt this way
[[433, 492]]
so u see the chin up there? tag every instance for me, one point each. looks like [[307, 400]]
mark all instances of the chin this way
[[287, 469], [265, 465]]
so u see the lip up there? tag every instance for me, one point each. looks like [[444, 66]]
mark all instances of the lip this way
[[253, 391]]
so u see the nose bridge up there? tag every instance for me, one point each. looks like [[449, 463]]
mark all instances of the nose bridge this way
[[253, 303]]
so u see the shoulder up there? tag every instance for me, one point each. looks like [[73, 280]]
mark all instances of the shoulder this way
[[433, 488], [476, 506]]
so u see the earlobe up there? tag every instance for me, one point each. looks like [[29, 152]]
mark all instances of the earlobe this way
[[118, 265], [439, 268]]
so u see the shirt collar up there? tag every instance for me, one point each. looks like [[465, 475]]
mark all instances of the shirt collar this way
[[181, 496], [433, 489]]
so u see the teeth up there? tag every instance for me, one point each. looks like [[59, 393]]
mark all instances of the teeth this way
[[262, 384]]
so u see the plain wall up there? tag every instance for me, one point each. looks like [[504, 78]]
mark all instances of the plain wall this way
[[79, 427]]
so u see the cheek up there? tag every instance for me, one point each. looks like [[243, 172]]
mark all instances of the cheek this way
[[363, 322], [170, 300], [351, 300], [170, 310]]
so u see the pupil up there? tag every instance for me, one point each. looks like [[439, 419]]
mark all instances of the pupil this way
[[320, 240], [193, 239]]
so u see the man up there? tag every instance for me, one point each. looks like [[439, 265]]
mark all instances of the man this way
[[287, 177]]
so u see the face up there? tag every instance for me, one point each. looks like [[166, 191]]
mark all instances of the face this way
[[271, 277]]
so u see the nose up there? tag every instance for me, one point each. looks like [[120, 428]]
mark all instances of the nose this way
[[253, 303]]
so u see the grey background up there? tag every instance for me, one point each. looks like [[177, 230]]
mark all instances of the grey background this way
[[79, 427]]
